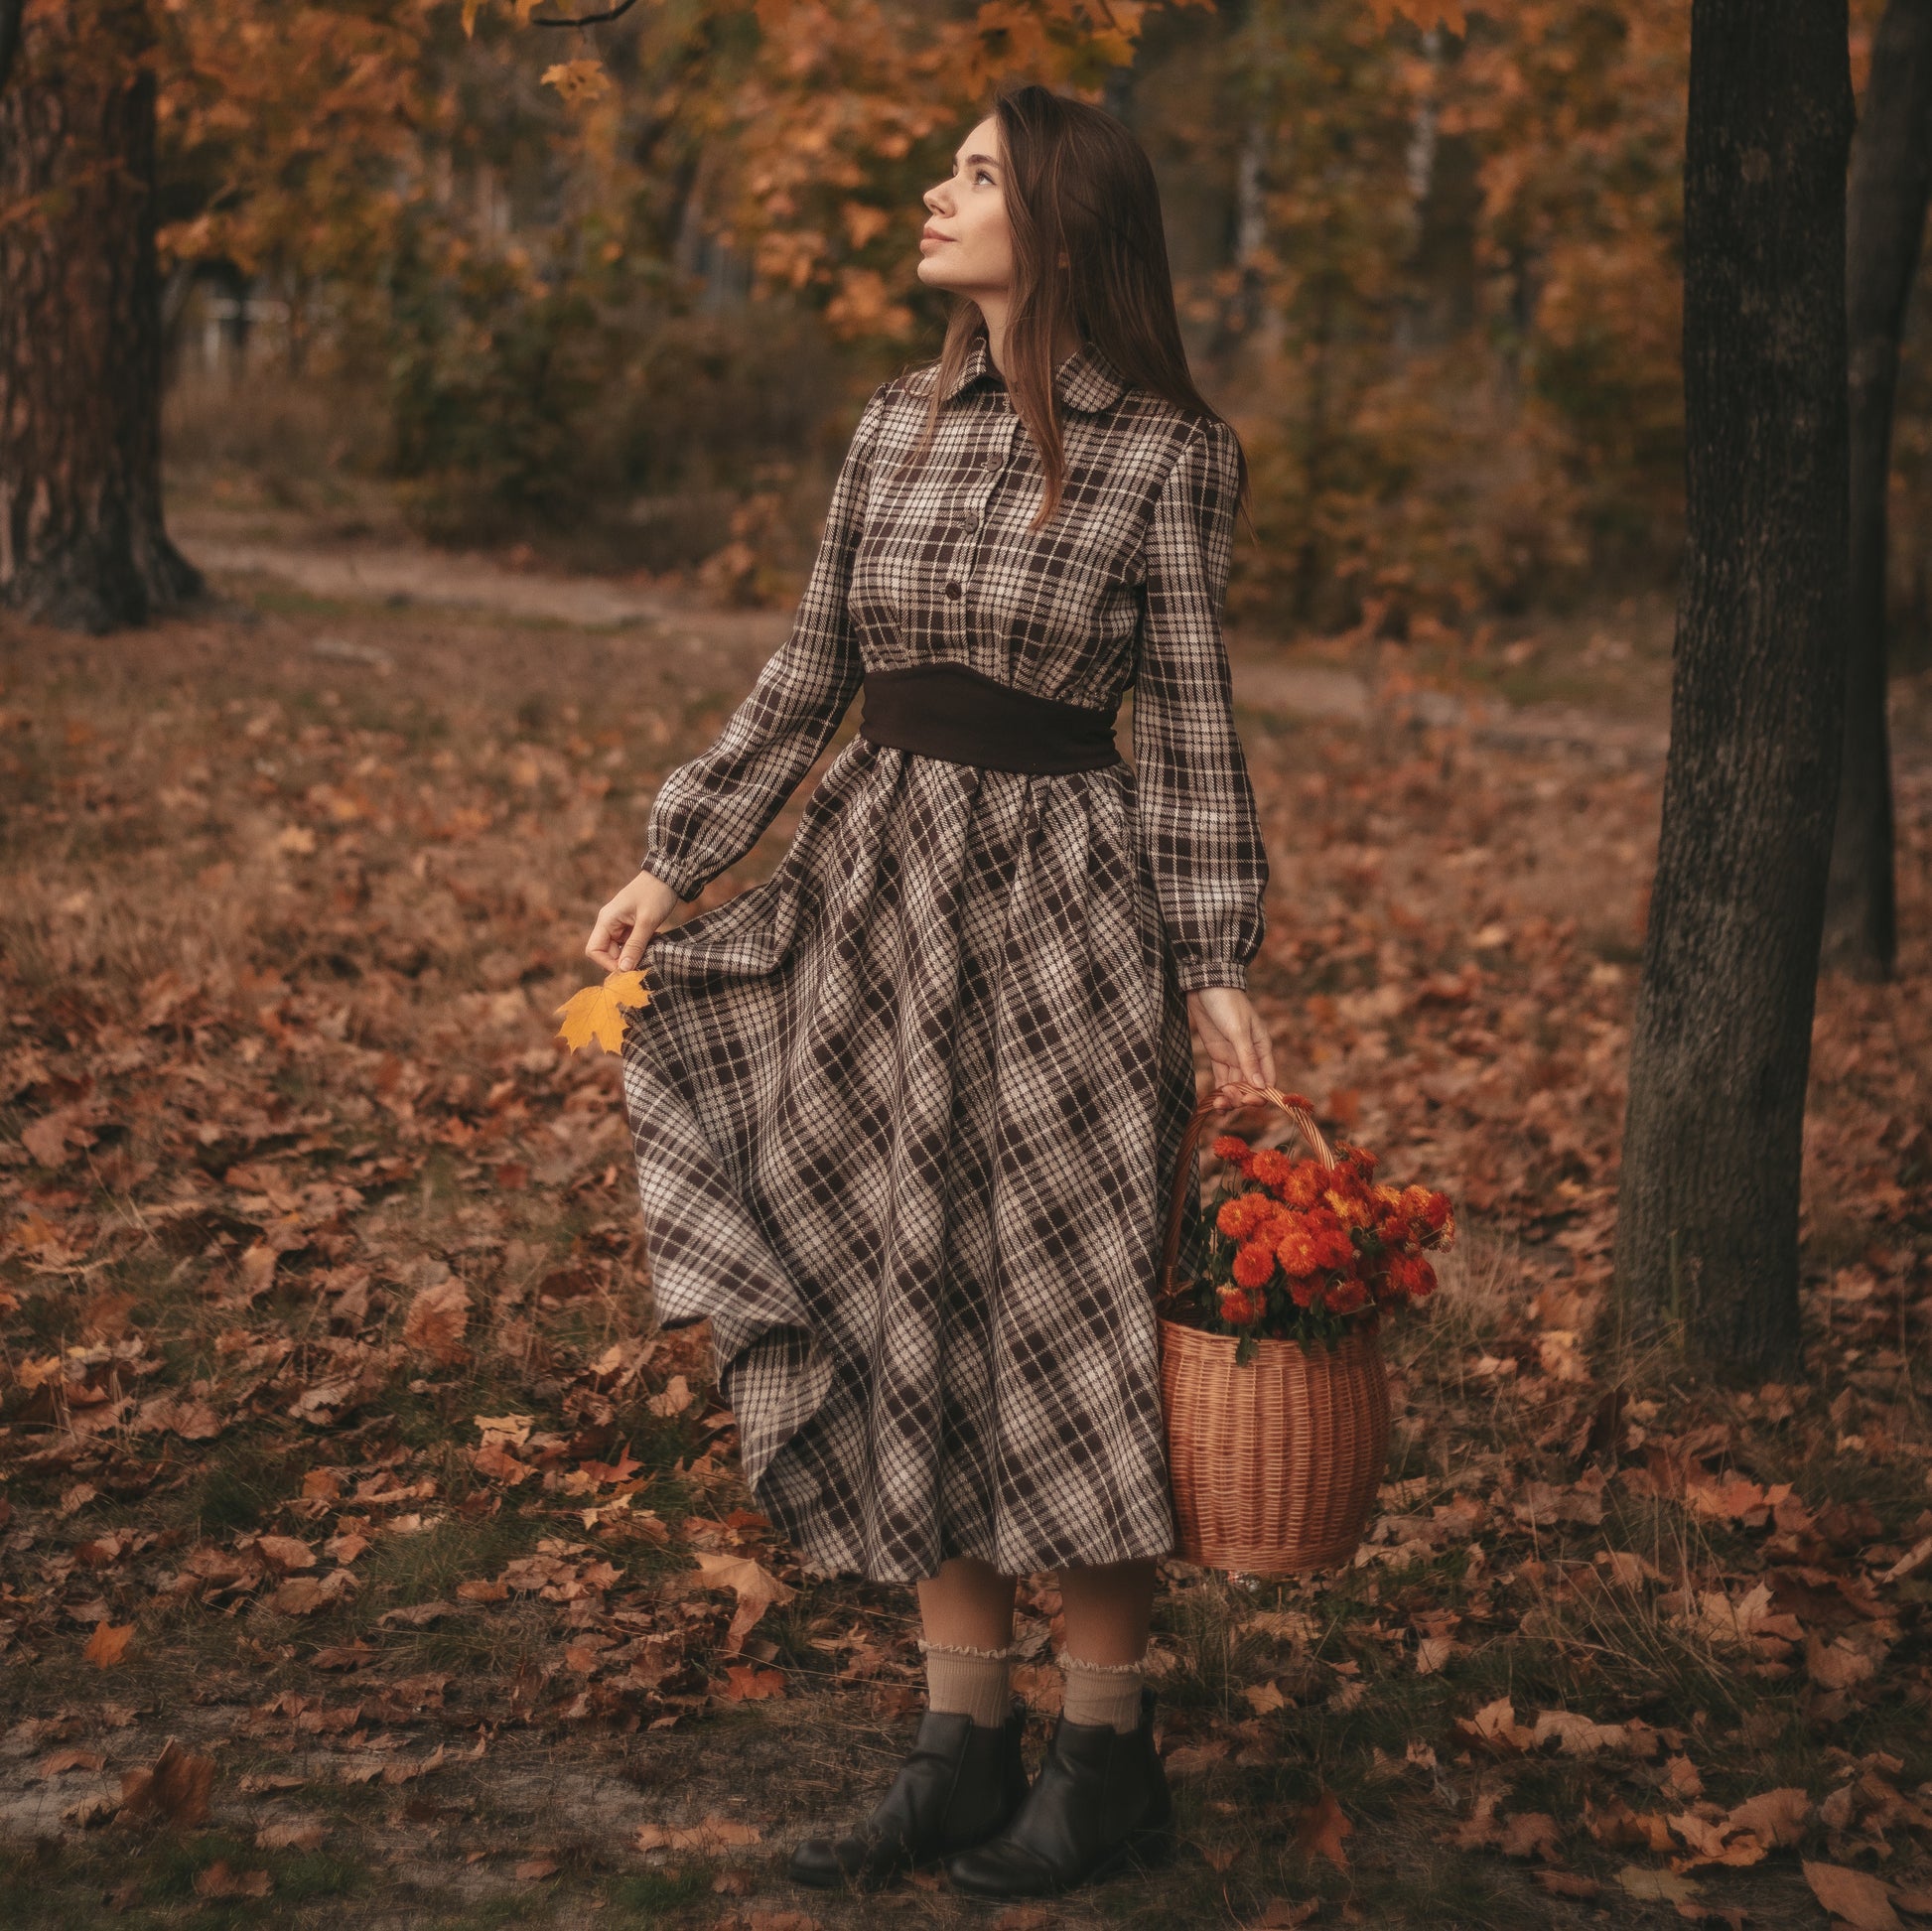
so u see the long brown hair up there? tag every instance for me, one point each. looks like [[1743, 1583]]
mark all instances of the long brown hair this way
[[1078, 184]]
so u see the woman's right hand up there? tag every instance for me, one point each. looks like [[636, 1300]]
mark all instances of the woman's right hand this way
[[629, 922]]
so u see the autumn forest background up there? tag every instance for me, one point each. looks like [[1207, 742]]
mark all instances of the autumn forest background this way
[[416, 420]]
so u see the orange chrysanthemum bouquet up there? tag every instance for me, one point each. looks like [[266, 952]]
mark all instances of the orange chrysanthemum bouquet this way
[[1300, 1251], [1277, 1400]]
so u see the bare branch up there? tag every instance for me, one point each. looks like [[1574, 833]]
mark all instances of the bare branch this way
[[10, 13], [574, 20]]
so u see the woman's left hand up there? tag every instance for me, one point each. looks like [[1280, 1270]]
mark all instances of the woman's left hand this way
[[1231, 1033]]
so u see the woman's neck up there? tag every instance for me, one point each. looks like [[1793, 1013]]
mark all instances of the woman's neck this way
[[996, 310]]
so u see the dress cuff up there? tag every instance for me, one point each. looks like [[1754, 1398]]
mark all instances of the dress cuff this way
[[687, 878], [1197, 975]]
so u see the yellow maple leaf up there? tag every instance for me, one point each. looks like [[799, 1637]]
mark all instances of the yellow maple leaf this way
[[579, 81], [597, 1012]]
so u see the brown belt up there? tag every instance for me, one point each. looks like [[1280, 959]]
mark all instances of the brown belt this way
[[964, 717]]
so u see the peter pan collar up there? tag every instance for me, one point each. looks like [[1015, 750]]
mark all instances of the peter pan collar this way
[[1085, 380]]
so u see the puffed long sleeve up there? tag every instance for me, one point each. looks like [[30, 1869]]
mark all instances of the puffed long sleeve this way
[[711, 811], [1199, 827]]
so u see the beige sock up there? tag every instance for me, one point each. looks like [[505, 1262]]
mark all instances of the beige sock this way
[[1102, 1693], [968, 1682]]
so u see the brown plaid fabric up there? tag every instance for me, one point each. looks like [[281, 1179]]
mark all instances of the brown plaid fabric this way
[[905, 1113]]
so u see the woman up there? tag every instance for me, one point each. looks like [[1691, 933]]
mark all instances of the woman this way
[[905, 1113]]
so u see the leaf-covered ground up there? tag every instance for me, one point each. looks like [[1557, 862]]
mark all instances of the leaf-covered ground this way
[[367, 1561]]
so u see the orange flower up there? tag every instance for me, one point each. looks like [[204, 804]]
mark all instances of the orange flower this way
[[1237, 1308], [1254, 1264], [1303, 1187], [1295, 1248], [1239, 1217], [1228, 1147], [1273, 1168], [1412, 1277], [1333, 1247], [1347, 1295]]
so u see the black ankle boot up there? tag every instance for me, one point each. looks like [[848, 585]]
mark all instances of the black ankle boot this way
[[959, 1784], [1099, 1804]]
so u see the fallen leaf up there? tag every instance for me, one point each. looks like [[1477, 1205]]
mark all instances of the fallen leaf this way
[[1713, 1843], [532, 1869], [418, 1616], [175, 1787], [1778, 1816], [756, 1590], [494, 1459], [108, 1644], [1659, 1887], [1915, 1558], [1494, 1727], [303, 1595], [675, 1398], [285, 1553], [60, 1761], [217, 1881], [304, 1833], [712, 1834], [1322, 1829], [1577, 1735], [1855, 1896], [1531, 1834], [744, 1684], [1837, 1666], [437, 1321]]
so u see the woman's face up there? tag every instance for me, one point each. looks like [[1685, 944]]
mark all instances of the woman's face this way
[[967, 246]]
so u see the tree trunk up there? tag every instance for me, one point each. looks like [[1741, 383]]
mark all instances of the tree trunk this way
[[1706, 1245], [9, 36], [82, 538], [1892, 168]]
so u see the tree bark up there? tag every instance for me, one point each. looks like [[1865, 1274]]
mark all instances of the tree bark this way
[[1892, 169], [82, 543], [10, 12], [1706, 1244]]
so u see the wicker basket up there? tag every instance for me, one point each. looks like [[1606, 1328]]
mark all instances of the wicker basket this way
[[1275, 1464]]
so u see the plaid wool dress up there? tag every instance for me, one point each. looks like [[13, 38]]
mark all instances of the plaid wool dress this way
[[905, 1112]]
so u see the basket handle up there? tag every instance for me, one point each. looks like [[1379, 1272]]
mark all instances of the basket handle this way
[[1298, 1112]]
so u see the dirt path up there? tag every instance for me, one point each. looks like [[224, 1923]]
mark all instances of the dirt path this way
[[402, 574]]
